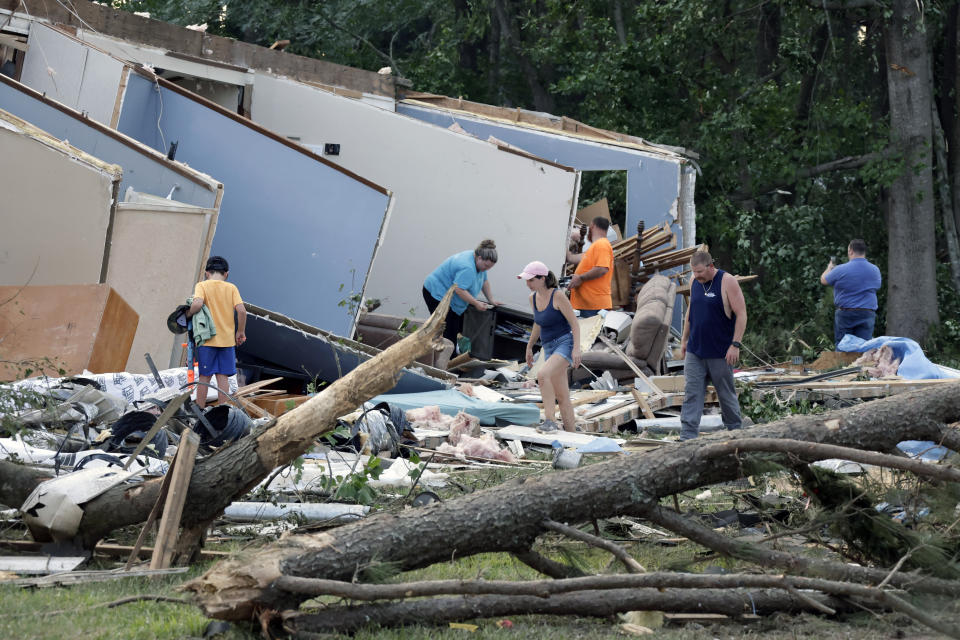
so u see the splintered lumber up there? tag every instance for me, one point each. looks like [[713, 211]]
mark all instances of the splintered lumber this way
[[236, 468], [511, 516], [669, 260], [177, 494]]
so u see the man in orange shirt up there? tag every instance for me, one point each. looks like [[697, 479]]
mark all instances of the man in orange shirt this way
[[590, 285], [217, 356]]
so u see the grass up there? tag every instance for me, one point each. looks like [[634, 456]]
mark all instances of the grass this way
[[79, 611]]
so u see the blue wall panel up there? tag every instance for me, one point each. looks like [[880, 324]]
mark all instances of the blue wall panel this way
[[652, 183], [298, 233], [145, 173]]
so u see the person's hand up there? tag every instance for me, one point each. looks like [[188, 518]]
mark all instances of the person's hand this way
[[241, 337], [496, 303], [529, 356], [575, 281], [481, 305], [576, 356], [733, 355]]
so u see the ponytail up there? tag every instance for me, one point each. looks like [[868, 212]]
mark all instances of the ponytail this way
[[550, 280]]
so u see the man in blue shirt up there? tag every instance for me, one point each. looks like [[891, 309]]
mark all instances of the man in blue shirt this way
[[855, 285]]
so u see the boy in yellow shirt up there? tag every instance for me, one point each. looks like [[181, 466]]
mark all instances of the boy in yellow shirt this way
[[217, 356]]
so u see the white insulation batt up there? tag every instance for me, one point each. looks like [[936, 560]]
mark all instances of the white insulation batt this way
[[451, 190]]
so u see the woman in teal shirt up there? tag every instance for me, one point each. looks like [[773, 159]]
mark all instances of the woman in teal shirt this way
[[468, 271]]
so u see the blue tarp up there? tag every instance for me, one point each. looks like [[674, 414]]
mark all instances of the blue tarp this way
[[913, 364], [453, 401]]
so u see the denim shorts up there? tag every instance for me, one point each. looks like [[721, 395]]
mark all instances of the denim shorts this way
[[562, 345]]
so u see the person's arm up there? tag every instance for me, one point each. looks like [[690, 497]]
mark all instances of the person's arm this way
[[195, 306], [489, 296], [534, 336], [574, 258], [738, 306], [241, 323], [579, 278], [686, 332], [823, 276], [562, 304], [467, 297]]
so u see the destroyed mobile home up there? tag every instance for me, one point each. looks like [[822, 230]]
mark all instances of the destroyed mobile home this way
[[351, 423]]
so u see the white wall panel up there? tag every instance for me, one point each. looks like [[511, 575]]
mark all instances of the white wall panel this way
[[451, 191], [71, 73]]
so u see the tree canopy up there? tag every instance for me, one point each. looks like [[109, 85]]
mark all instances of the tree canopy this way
[[805, 116]]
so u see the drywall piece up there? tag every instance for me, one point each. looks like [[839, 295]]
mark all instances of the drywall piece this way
[[157, 251], [64, 327], [653, 180], [144, 169], [71, 73], [298, 231], [452, 191], [57, 209], [274, 340]]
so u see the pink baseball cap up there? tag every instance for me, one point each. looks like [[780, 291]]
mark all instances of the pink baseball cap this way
[[535, 268]]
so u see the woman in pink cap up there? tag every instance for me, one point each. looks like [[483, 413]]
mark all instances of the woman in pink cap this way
[[556, 326]]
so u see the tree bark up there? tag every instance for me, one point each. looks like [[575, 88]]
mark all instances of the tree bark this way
[[509, 517], [235, 469], [911, 267], [542, 100]]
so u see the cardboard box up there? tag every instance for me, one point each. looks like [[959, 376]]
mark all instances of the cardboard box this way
[[278, 405]]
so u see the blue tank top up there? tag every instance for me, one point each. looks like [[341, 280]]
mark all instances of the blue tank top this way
[[711, 331], [552, 323]]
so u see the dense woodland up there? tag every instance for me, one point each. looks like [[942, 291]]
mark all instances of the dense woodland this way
[[814, 121]]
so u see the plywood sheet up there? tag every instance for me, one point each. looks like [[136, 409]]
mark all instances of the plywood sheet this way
[[64, 327], [157, 252]]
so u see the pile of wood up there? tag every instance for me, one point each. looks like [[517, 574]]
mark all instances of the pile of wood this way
[[638, 257]]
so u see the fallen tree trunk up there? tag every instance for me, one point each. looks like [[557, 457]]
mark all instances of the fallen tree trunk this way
[[509, 517], [235, 469], [582, 603]]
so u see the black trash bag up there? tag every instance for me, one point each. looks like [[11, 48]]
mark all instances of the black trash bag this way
[[130, 430], [229, 424]]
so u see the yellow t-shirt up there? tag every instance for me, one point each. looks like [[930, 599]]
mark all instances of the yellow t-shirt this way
[[220, 297], [594, 294]]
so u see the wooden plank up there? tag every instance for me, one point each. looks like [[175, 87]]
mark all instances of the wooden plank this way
[[176, 496], [655, 390], [459, 360], [108, 549], [168, 412], [256, 386], [83, 577], [642, 401], [684, 289], [579, 398]]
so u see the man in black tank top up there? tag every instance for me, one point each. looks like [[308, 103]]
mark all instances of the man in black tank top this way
[[714, 325]]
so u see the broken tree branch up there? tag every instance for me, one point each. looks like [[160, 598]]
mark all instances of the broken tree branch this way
[[803, 565], [811, 451], [618, 552], [343, 619], [509, 517], [546, 566]]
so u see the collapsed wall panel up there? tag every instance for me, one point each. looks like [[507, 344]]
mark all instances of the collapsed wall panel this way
[[144, 169], [653, 180], [299, 232], [452, 191], [275, 340], [72, 74], [57, 205]]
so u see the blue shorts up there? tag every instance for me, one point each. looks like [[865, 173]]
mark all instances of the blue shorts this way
[[588, 313], [217, 360], [562, 345]]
